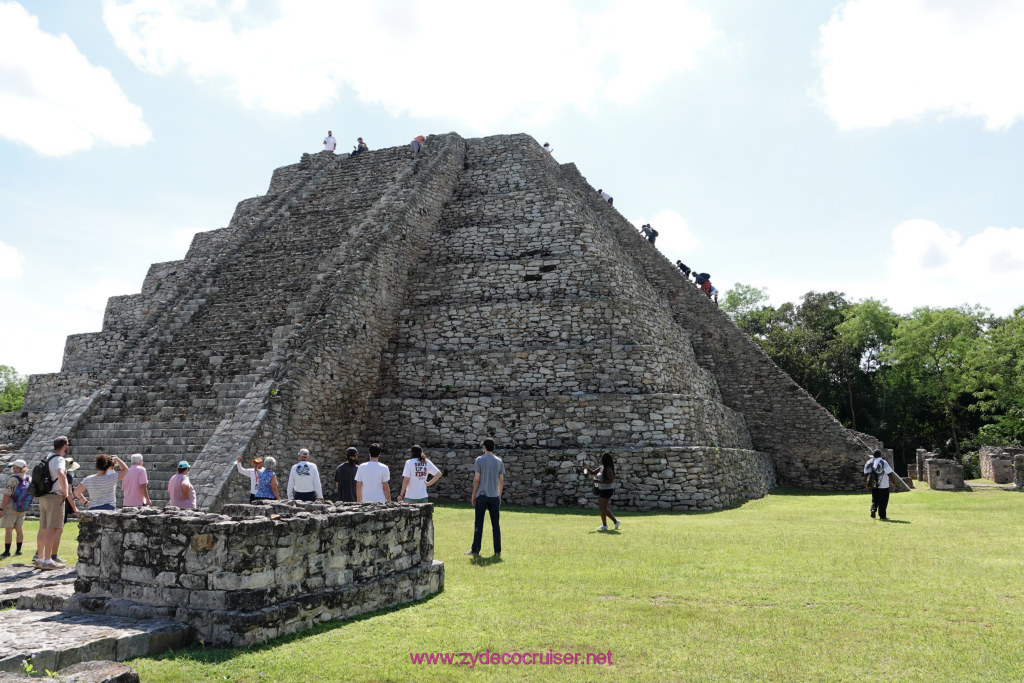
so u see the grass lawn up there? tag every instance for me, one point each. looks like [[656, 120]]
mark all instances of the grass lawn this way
[[68, 544], [793, 587]]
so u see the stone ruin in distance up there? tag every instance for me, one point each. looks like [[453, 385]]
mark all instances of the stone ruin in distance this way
[[480, 290]]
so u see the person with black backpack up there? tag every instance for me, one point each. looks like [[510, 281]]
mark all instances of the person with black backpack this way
[[876, 480], [50, 487]]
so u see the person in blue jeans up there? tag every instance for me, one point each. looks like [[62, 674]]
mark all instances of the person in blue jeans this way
[[488, 481]]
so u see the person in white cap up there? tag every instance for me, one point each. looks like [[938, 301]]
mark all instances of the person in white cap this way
[[14, 503]]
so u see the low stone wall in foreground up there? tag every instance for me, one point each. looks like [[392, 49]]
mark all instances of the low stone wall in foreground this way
[[255, 572]]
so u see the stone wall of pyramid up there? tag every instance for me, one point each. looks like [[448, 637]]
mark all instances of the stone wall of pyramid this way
[[479, 290]]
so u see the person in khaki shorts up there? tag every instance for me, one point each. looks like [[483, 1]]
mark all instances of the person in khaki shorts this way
[[14, 501], [51, 508]]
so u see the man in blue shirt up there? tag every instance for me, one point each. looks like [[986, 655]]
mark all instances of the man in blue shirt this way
[[488, 481]]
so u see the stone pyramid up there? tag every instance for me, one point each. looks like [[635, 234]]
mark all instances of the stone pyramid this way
[[481, 289]]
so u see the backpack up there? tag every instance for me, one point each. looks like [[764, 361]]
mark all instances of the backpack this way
[[42, 482], [876, 472], [21, 498]]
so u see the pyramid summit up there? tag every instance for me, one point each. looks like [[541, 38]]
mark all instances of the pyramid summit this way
[[480, 289]]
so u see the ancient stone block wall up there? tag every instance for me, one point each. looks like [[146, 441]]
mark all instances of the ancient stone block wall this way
[[1018, 471], [809, 447], [944, 475], [997, 463], [255, 572]]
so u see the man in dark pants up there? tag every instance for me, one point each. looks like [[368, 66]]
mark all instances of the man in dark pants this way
[[488, 481], [880, 489]]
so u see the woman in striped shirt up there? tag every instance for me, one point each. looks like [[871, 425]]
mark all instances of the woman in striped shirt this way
[[102, 485]]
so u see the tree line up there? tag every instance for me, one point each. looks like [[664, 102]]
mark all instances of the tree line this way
[[946, 379]]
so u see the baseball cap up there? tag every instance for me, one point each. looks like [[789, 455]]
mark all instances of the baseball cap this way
[[183, 465], [19, 463]]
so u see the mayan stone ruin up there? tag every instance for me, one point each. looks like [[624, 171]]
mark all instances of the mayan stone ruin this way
[[481, 289]]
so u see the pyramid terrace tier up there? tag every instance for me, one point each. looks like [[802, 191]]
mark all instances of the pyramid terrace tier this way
[[597, 421], [647, 478], [589, 367]]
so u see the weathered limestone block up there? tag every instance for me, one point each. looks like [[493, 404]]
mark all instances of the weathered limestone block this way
[[256, 571], [997, 463], [944, 475], [1018, 470]]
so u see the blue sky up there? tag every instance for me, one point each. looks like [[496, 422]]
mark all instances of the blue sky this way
[[872, 147]]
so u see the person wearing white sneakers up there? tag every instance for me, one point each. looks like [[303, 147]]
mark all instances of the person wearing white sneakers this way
[[604, 482]]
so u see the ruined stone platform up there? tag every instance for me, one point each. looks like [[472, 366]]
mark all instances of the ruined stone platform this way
[[26, 587], [59, 640]]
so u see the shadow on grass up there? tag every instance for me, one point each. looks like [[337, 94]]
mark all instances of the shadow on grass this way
[[215, 655], [479, 561], [895, 521]]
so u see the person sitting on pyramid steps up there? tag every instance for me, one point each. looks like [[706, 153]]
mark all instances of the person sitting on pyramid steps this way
[[360, 147]]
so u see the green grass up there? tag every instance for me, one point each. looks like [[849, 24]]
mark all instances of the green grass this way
[[793, 587], [68, 544]]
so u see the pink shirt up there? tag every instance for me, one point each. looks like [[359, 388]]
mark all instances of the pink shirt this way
[[174, 491], [130, 485]]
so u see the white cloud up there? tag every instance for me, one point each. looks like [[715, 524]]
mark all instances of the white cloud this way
[[94, 296], [10, 261], [475, 62], [929, 265], [52, 99], [889, 60]]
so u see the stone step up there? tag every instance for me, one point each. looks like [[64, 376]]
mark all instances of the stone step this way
[[60, 639]]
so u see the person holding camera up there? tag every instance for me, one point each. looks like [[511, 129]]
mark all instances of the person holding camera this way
[[604, 484]]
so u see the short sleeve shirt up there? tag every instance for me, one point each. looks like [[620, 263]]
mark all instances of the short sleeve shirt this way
[[135, 478], [330, 143], [418, 471], [101, 487], [883, 481], [57, 465], [372, 475], [490, 467]]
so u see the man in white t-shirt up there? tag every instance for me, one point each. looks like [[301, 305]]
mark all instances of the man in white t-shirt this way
[[372, 479], [329, 142], [304, 480], [605, 196], [51, 508], [877, 471]]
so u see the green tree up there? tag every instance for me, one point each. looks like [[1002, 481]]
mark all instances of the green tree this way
[[12, 389], [742, 300], [996, 380], [930, 351]]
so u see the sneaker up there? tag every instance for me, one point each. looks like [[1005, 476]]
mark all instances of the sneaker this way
[[46, 566], [4, 554], [470, 553], [57, 565], [617, 525], [17, 552], [602, 528], [872, 514], [55, 558]]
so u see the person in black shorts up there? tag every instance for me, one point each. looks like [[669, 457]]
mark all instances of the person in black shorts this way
[[604, 481]]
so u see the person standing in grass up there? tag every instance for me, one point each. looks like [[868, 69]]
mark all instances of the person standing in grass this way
[[604, 481], [876, 480], [372, 479], [488, 481], [14, 503], [414, 477]]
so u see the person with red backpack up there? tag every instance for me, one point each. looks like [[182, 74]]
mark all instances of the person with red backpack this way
[[14, 503]]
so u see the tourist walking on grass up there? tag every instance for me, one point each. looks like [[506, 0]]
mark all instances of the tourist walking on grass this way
[[372, 479], [345, 477], [14, 503], [604, 482], [51, 507], [488, 482], [304, 480], [180, 492], [102, 486], [415, 477], [876, 480], [135, 486], [266, 481], [252, 474]]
